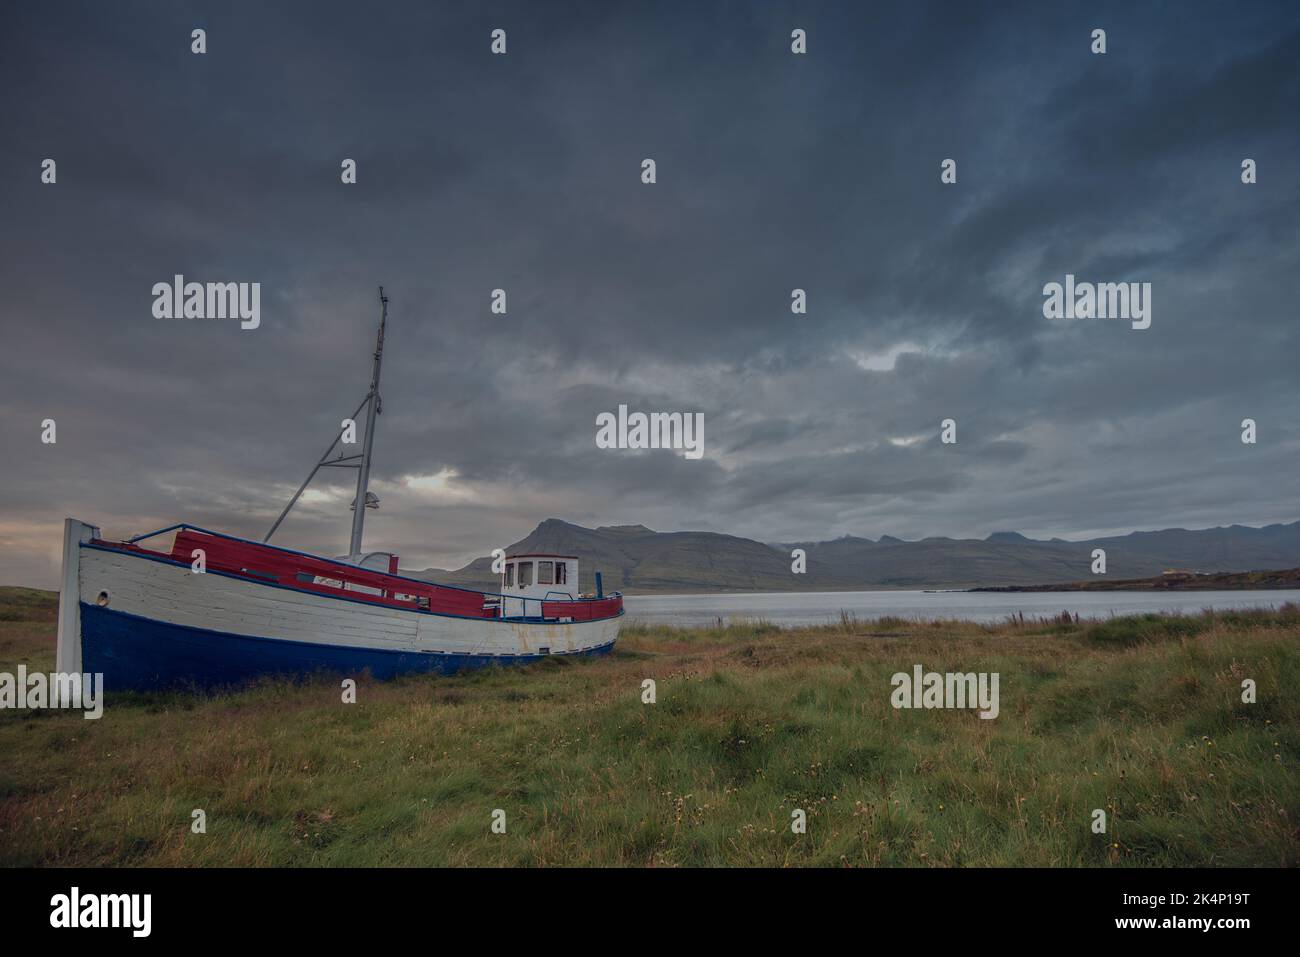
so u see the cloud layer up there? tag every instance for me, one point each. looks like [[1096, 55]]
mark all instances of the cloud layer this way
[[775, 171]]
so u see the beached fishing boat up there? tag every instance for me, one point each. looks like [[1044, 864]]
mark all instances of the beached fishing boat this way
[[187, 606]]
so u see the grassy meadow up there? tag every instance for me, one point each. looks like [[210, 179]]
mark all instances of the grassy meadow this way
[[1139, 716]]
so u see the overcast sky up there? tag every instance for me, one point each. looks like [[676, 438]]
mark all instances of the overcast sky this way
[[523, 172]]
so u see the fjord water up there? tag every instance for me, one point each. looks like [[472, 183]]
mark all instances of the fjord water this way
[[815, 608]]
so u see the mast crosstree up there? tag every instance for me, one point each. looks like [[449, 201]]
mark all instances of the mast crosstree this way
[[373, 406]]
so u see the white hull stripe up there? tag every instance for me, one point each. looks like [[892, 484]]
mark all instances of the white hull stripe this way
[[161, 590]]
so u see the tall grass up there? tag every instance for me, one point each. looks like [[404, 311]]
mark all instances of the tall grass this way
[[1139, 716]]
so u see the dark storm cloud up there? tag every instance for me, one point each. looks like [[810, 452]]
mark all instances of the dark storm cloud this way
[[775, 172]]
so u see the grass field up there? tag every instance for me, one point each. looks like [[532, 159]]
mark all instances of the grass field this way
[[1139, 716]]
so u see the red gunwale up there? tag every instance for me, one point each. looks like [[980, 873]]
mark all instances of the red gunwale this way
[[268, 564]]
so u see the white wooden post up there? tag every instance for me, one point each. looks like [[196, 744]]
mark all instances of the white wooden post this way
[[68, 650]]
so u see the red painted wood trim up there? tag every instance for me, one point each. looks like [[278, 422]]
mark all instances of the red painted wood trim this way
[[255, 562]]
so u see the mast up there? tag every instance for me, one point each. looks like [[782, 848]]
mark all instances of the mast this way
[[361, 461], [372, 400]]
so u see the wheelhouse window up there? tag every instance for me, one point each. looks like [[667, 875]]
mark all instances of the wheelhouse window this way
[[561, 573], [510, 574], [546, 573], [525, 574]]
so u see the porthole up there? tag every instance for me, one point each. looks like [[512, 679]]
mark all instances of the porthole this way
[[102, 599]]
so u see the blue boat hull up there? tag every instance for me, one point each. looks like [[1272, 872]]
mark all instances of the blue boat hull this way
[[140, 654]]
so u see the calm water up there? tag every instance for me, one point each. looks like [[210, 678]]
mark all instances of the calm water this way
[[812, 608]]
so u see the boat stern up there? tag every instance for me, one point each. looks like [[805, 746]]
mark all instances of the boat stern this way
[[68, 649]]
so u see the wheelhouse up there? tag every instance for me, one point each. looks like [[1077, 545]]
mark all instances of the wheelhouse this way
[[529, 579], [540, 575]]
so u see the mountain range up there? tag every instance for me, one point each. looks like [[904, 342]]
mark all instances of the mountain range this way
[[637, 560]]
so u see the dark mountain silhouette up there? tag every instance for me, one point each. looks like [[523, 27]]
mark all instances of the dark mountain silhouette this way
[[635, 559]]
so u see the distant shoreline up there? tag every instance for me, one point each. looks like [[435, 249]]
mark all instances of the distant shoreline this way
[[1283, 579], [1287, 579]]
